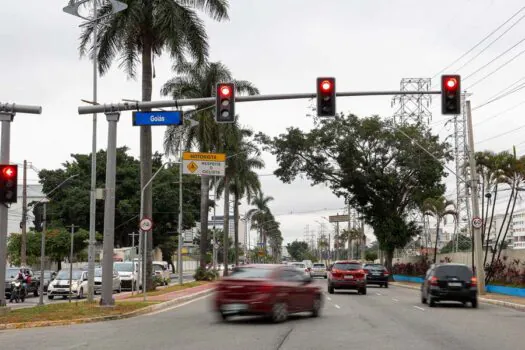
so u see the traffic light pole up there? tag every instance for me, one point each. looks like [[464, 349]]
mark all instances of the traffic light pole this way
[[7, 114]]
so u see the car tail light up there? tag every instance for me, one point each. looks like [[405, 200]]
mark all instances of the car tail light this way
[[359, 273], [473, 281], [434, 281], [367, 271], [386, 273]]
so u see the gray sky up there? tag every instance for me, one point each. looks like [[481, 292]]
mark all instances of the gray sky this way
[[281, 47]]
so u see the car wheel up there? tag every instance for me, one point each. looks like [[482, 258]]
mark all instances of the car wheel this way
[[279, 312], [474, 303], [362, 291], [316, 307], [35, 293], [386, 285], [223, 317], [325, 277], [80, 293], [423, 299], [50, 297], [330, 289], [431, 301]]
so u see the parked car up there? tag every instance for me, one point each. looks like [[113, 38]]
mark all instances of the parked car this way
[[12, 273], [60, 285], [449, 282], [274, 291], [48, 277], [162, 272], [319, 270], [129, 274], [115, 283], [347, 275], [376, 274]]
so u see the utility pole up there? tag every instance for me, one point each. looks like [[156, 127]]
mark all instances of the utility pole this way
[[478, 254], [349, 239], [71, 260], [133, 234], [23, 224], [42, 253]]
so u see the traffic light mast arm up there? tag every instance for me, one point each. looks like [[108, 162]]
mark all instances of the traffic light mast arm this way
[[211, 100]]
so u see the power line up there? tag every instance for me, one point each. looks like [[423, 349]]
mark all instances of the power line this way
[[498, 114], [516, 89], [502, 134]]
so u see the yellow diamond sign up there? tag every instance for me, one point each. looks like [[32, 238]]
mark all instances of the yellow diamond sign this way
[[192, 167]]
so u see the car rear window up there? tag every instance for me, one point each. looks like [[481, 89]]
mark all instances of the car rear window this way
[[318, 265], [347, 266], [374, 267], [250, 272], [461, 272], [299, 265]]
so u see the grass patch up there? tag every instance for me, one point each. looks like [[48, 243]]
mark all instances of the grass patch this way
[[170, 289], [69, 311]]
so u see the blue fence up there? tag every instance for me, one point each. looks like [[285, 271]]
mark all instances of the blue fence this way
[[512, 291]]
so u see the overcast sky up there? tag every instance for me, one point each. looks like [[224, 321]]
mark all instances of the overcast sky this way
[[281, 46]]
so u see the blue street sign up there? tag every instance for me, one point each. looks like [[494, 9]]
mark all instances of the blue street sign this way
[[157, 118]]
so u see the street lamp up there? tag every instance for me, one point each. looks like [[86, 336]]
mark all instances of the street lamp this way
[[73, 8]]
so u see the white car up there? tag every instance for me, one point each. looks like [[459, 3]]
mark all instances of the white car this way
[[60, 285], [300, 266], [128, 272], [98, 281], [318, 270]]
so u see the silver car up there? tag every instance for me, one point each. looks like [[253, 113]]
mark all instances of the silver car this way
[[318, 270]]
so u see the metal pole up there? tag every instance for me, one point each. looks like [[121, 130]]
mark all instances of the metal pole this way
[[93, 198], [139, 265], [478, 254], [132, 257], [42, 254], [144, 261], [6, 119], [179, 246], [23, 253], [215, 219], [71, 260], [109, 211]]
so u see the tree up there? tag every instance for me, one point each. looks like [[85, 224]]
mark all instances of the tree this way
[[260, 215], [298, 250], [371, 163], [462, 242], [139, 33], [194, 81], [439, 208]]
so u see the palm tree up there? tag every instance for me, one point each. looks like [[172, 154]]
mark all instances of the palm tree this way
[[261, 214], [349, 236], [194, 81], [139, 33], [439, 208]]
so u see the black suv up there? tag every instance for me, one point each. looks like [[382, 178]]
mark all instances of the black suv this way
[[376, 274], [449, 282]]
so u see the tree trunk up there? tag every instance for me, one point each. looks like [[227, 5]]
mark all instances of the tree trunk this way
[[236, 228], [145, 154], [491, 221], [437, 238], [59, 264], [226, 221], [205, 191], [389, 256]]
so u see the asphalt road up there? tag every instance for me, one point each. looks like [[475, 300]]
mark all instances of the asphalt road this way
[[384, 319]]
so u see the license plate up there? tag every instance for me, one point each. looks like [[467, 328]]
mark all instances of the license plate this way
[[62, 290], [454, 284], [233, 307], [349, 277], [376, 273]]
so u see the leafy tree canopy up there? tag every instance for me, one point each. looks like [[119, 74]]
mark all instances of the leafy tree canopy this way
[[298, 250]]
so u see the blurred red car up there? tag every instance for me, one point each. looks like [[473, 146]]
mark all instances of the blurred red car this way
[[347, 275], [274, 291]]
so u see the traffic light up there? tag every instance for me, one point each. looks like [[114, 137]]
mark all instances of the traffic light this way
[[451, 94], [8, 183], [325, 97], [225, 103]]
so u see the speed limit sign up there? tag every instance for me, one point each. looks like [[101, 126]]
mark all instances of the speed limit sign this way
[[146, 224], [477, 222]]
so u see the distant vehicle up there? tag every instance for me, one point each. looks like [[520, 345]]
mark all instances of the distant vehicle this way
[[128, 272], [48, 277], [300, 266], [347, 275], [162, 272], [12, 273], [60, 285], [319, 270], [376, 274], [449, 282], [274, 291], [98, 281]]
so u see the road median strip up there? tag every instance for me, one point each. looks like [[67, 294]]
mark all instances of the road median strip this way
[[486, 300], [122, 310]]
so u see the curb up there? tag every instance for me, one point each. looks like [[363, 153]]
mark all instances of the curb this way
[[507, 304], [139, 312]]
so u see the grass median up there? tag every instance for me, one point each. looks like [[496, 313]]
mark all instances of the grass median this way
[[70, 311], [169, 289]]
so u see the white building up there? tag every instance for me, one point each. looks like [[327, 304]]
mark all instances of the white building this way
[[517, 229], [14, 213]]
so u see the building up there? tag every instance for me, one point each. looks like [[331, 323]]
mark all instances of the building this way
[[517, 229], [14, 213], [218, 222]]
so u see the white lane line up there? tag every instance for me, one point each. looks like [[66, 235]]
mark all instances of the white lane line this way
[[419, 308], [177, 306], [394, 299], [328, 298], [337, 306], [379, 293]]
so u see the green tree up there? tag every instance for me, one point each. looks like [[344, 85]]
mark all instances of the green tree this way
[[195, 81], [370, 162], [439, 208], [144, 30], [298, 250], [462, 242], [261, 215]]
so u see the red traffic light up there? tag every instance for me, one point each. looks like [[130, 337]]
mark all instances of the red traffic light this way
[[326, 85], [9, 172], [225, 90], [451, 83]]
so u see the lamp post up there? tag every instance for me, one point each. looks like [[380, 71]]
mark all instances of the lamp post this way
[[73, 8]]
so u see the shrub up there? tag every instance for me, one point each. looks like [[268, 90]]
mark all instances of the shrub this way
[[206, 275], [411, 269], [506, 273]]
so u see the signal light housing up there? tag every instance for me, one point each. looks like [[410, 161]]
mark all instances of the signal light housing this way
[[451, 94], [225, 103], [326, 97], [8, 183]]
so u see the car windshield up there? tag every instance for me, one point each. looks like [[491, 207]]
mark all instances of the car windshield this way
[[319, 265], [299, 265], [250, 272], [124, 267], [374, 267], [459, 271], [98, 272], [64, 274], [11, 273], [347, 266]]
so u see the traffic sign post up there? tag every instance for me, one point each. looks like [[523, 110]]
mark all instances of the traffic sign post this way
[[146, 224], [157, 118], [477, 222], [212, 164]]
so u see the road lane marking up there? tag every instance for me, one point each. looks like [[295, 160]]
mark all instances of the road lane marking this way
[[394, 299], [419, 308], [177, 306], [337, 306], [328, 298], [379, 293]]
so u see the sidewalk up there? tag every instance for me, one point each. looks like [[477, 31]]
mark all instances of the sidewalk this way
[[487, 298], [170, 296]]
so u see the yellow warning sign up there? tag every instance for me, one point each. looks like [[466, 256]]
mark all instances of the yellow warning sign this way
[[192, 167], [217, 157]]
